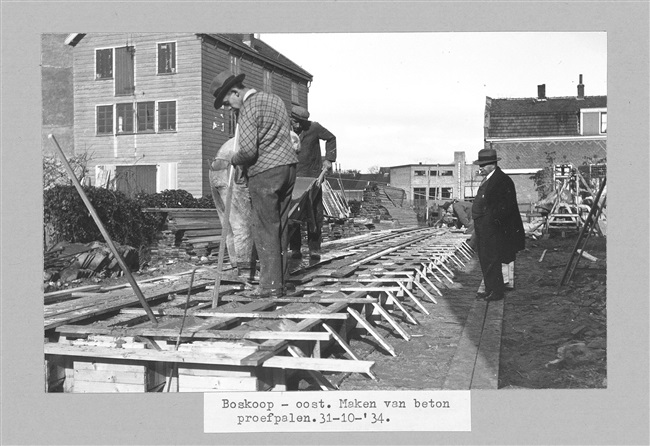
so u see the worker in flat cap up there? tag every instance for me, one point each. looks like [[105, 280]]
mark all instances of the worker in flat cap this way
[[266, 153], [497, 224], [311, 164], [462, 212]]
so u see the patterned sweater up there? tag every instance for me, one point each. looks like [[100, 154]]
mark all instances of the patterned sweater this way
[[264, 134]]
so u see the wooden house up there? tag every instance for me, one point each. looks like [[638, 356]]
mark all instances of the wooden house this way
[[143, 110], [531, 134]]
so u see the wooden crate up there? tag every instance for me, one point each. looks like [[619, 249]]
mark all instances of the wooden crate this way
[[204, 378], [109, 376]]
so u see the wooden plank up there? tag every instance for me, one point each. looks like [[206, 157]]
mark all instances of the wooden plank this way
[[403, 309], [222, 371], [101, 387], [320, 379], [54, 348], [459, 376], [56, 296], [486, 370], [320, 364], [271, 347], [87, 310], [262, 315], [413, 298], [191, 383], [392, 322], [111, 376], [375, 334], [173, 333]]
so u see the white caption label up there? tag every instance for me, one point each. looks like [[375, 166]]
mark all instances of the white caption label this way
[[337, 411]]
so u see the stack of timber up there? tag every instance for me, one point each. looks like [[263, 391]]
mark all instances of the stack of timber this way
[[101, 340], [195, 231]]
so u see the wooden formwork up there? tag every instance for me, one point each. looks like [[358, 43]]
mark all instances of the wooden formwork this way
[[100, 340]]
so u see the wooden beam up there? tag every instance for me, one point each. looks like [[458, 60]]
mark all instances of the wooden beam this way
[[262, 315], [320, 364], [68, 330], [375, 334]]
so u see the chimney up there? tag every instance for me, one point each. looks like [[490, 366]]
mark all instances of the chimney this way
[[541, 92], [248, 39], [581, 89]]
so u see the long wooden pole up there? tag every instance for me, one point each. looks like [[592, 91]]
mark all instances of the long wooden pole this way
[[109, 242], [225, 227]]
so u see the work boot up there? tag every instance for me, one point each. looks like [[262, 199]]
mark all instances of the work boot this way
[[296, 254], [314, 255]]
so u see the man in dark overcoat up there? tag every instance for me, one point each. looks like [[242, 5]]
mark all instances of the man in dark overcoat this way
[[497, 224]]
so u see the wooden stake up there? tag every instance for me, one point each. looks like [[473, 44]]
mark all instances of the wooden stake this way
[[107, 238]]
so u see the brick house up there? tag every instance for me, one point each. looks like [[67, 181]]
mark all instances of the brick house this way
[[143, 109], [433, 184], [530, 134]]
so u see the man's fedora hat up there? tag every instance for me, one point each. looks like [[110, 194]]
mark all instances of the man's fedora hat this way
[[221, 84], [486, 156], [300, 113]]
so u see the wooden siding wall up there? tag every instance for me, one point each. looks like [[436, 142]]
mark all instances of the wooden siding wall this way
[[182, 146], [216, 58]]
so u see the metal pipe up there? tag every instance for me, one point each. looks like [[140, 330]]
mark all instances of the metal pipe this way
[[100, 225]]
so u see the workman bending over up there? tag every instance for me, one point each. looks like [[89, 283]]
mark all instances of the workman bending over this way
[[462, 211], [310, 164], [266, 153]]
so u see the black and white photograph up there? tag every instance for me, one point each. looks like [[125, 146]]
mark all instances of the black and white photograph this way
[[372, 254], [268, 232]]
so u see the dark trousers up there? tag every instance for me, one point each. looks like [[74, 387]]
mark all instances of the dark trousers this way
[[271, 198], [487, 243], [314, 226]]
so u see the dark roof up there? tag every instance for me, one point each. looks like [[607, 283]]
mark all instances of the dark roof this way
[[539, 154], [264, 50], [257, 47], [532, 117]]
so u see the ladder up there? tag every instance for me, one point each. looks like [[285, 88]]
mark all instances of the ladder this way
[[591, 223]]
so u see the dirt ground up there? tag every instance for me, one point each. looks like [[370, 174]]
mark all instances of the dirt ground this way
[[544, 322], [553, 337]]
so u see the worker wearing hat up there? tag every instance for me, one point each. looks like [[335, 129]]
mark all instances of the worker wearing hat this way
[[462, 211], [311, 164], [266, 153], [497, 224]]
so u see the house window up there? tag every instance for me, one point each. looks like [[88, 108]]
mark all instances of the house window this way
[[145, 116], [433, 173], [234, 65], [105, 120], [295, 99], [593, 121], [446, 192], [420, 173], [167, 116], [267, 85], [232, 122], [447, 173], [433, 193], [167, 58], [419, 193], [124, 71], [104, 64], [124, 114]]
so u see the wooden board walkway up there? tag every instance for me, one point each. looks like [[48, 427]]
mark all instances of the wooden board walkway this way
[[392, 279]]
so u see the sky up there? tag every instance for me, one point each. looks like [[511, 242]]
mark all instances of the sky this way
[[404, 98]]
